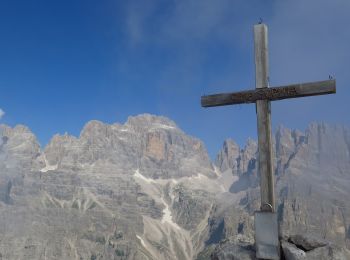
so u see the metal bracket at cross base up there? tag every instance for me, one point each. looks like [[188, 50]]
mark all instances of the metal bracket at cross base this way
[[266, 235]]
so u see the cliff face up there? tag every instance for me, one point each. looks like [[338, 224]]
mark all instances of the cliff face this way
[[142, 190], [312, 179], [146, 190], [314, 184], [154, 145]]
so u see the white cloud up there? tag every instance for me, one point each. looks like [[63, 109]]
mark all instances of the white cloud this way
[[2, 113], [309, 40], [183, 23]]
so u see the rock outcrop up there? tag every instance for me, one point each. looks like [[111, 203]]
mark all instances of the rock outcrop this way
[[299, 247], [296, 247]]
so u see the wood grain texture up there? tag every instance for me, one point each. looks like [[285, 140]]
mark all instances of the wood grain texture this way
[[261, 56], [276, 93], [265, 160]]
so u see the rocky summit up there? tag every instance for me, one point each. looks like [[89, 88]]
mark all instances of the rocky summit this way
[[146, 190]]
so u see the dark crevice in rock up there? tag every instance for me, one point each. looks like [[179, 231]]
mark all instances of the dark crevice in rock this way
[[8, 199], [280, 212], [347, 140], [319, 142], [240, 228], [291, 157], [217, 235], [307, 243], [348, 232], [298, 246]]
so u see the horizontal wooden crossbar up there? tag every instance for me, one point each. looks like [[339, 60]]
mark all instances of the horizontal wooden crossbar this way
[[274, 93]]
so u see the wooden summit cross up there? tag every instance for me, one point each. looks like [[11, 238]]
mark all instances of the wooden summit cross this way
[[261, 96]]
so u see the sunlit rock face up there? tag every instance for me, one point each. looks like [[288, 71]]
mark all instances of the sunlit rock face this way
[[155, 145], [228, 156], [18, 147], [142, 190], [146, 190], [236, 159], [314, 186]]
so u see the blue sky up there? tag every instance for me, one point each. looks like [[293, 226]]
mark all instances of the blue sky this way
[[63, 63]]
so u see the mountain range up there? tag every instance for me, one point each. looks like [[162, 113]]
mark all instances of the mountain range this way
[[146, 190]]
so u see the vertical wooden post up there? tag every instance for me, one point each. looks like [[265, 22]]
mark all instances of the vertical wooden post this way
[[264, 120]]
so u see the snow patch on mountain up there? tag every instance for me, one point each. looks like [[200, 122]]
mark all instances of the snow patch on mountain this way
[[167, 217], [140, 176], [48, 167], [163, 126], [142, 241]]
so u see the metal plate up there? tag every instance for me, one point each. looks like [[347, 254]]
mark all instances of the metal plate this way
[[266, 235]]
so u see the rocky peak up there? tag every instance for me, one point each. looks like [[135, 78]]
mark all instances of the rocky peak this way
[[248, 154], [19, 145], [17, 130], [251, 146], [150, 143], [315, 149], [326, 147], [147, 121], [238, 160], [227, 157], [94, 128], [58, 148], [286, 141]]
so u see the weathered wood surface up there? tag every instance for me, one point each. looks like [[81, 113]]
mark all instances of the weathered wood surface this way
[[261, 56], [276, 93], [265, 158]]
